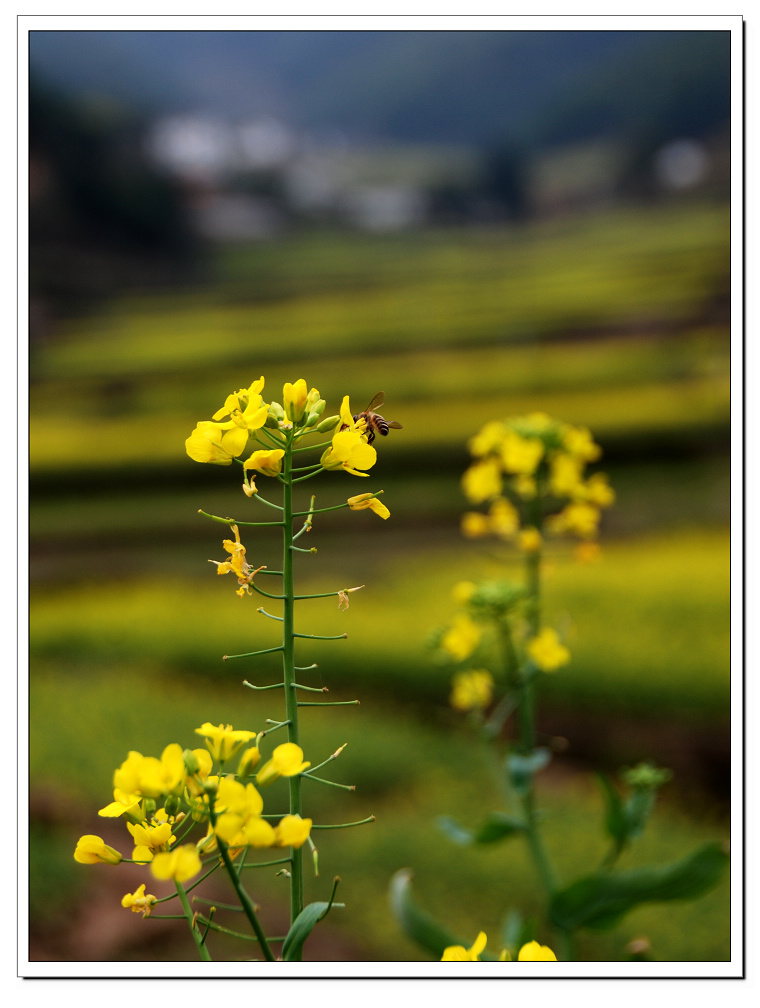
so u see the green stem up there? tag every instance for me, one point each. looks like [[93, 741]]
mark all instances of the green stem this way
[[203, 952], [528, 739], [289, 671], [245, 900]]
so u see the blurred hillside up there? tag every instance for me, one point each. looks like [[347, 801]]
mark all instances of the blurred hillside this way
[[451, 87]]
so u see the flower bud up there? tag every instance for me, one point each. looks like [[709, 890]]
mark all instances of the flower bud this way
[[294, 398], [93, 849], [316, 412], [171, 805], [327, 424], [248, 761], [192, 765]]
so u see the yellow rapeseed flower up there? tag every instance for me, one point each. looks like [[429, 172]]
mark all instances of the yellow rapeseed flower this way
[[482, 481], [458, 953], [461, 639], [521, 455], [503, 518], [579, 442], [546, 651], [530, 540], [180, 864], [150, 837], [294, 399], [268, 462], [286, 761], [362, 501], [471, 690], [565, 476], [222, 741], [488, 439], [349, 451], [474, 525], [216, 443], [94, 850], [533, 952], [579, 518], [139, 901], [292, 831]]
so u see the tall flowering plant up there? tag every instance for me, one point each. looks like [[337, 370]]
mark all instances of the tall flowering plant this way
[[528, 481], [192, 812]]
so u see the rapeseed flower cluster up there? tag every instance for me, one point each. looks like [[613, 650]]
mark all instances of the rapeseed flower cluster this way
[[162, 800], [530, 473], [245, 422]]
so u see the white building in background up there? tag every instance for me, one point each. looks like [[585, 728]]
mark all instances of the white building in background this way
[[325, 177], [681, 164]]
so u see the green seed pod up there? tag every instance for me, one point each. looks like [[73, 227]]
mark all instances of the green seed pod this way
[[328, 424]]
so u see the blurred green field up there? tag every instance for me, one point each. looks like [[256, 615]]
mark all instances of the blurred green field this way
[[616, 321]]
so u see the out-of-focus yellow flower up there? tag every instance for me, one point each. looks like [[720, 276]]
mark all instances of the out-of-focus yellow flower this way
[[150, 777], [286, 761], [530, 540], [482, 481], [471, 690], [458, 953], [236, 805], [579, 443], [122, 803], [598, 491], [93, 850], [488, 439], [525, 486], [461, 639], [268, 462], [363, 501], [139, 901], [503, 518], [519, 454], [248, 761], [292, 831], [180, 864], [579, 518], [546, 651], [565, 476], [474, 525], [533, 952], [223, 741]]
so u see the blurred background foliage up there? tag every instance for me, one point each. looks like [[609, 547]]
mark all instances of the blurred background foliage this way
[[481, 224]]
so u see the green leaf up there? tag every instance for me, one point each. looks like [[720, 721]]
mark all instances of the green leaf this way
[[615, 820], [496, 826], [599, 901], [522, 768], [417, 924], [456, 833], [303, 925]]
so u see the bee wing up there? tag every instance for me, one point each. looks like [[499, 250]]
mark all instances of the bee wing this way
[[377, 401], [395, 425]]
